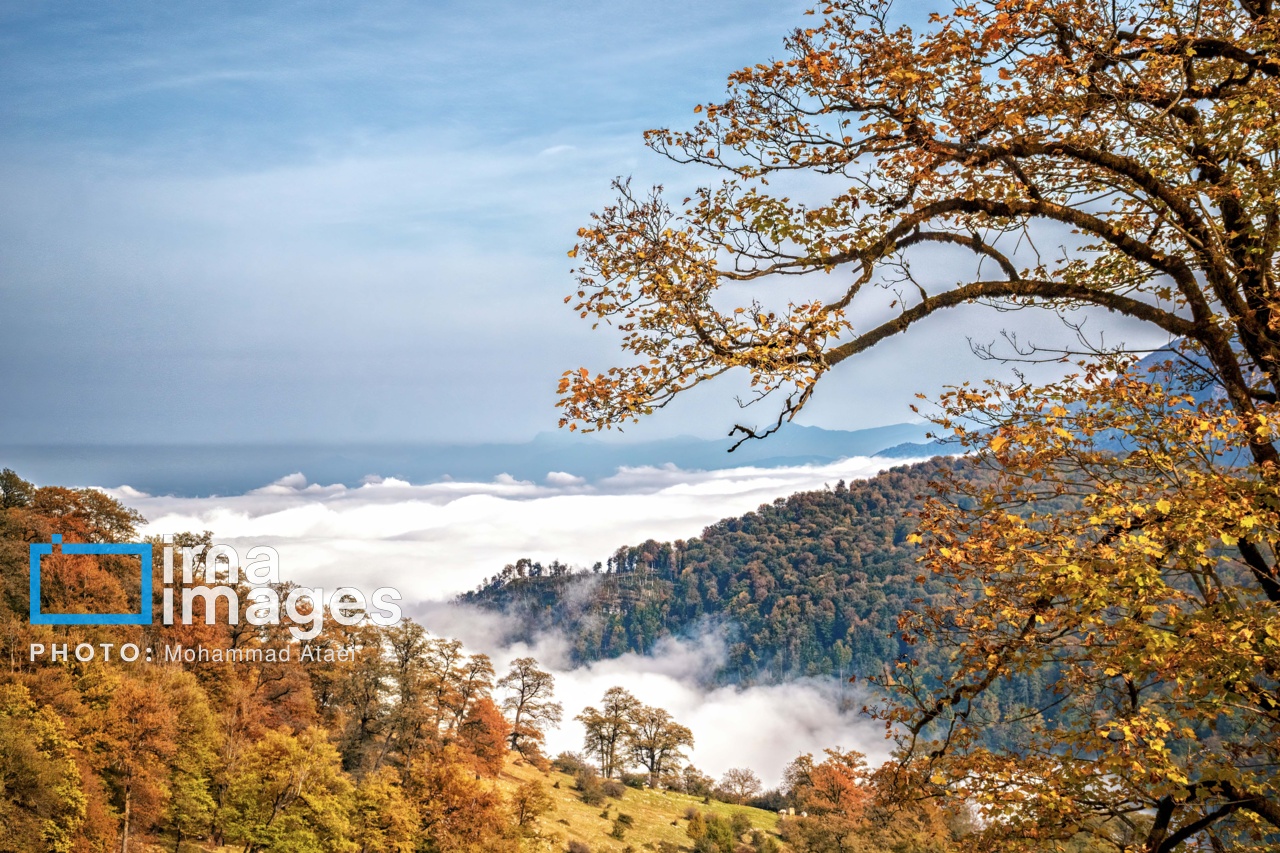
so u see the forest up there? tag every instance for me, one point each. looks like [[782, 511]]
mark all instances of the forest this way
[[363, 739], [809, 585]]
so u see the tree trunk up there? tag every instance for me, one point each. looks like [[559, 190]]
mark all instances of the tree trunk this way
[[124, 833]]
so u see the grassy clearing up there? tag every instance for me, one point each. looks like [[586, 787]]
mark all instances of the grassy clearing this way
[[659, 816]]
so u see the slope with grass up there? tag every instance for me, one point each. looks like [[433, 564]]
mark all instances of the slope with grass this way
[[660, 819]]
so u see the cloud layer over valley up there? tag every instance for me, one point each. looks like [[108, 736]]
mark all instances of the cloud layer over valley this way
[[435, 540]]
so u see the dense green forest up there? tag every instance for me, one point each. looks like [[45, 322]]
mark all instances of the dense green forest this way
[[810, 585]]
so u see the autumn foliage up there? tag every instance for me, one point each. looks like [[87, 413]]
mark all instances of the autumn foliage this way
[[392, 746], [1126, 551]]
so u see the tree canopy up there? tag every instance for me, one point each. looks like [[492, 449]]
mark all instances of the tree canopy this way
[[1149, 129], [1142, 138]]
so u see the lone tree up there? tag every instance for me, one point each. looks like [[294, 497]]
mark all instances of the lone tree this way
[[607, 729], [1149, 130], [529, 705], [740, 783], [657, 742]]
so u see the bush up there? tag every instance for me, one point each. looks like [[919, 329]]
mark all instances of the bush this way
[[717, 836], [569, 762], [626, 820], [770, 801], [579, 847], [589, 786], [613, 788], [619, 830], [740, 823], [767, 844], [635, 780]]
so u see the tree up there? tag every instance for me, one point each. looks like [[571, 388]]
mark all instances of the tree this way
[[840, 810], [190, 807], [528, 803], [740, 783], [1129, 578], [1148, 131], [657, 742], [607, 729], [289, 793], [530, 705], [484, 734], [140, 735], [457, 811], [42, 802], [15, 492], [382, 820]]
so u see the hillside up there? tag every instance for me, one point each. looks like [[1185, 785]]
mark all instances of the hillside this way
[[660, 818], [810, 585]]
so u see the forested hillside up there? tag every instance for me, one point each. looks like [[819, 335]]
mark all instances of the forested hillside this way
[[369, 738], [810, 585]]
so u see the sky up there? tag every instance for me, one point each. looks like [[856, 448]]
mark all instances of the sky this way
[[334, 222]]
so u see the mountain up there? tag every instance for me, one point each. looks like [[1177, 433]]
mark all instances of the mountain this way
[[197, 470], [810, 585]]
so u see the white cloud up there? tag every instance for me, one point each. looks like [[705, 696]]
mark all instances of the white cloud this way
[[762, 727], [435, 540]]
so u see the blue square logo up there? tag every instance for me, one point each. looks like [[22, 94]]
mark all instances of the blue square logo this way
[[141, 550]]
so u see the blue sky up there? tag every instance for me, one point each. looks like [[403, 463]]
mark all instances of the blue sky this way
[[331, 222]]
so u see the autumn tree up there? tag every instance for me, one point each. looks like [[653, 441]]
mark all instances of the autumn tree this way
[[606, 730], [529, 802], [457, 810], [190, 807], [843, 808], [740, 783], [42, 803], [1142, 138], [483, 734], [140, 738], [290, 793], [382, 818], [656, 741], [529, 704]]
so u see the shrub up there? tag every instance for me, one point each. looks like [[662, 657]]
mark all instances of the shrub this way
[[613, 788], [569, 762], [579, 847], [589, 786], [634, 780], [769, 801]]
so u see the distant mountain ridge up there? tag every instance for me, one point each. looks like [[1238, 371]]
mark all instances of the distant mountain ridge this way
[[202, 470]]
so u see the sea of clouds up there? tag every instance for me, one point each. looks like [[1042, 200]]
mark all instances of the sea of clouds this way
[[435, 540]]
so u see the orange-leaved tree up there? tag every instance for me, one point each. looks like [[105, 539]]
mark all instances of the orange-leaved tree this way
[[1149, 130]]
